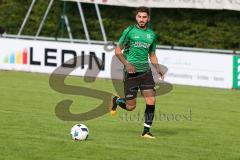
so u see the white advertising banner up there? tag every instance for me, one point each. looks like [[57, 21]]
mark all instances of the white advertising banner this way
[[196, 68], [200, 4], [46, 56], [184, 67]]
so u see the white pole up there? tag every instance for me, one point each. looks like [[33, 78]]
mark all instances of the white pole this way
[[68, 28], [26, 18], [44, 18], [83, 22], [101, 23]]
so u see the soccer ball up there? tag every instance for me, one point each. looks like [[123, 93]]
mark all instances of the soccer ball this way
[[79, 132]]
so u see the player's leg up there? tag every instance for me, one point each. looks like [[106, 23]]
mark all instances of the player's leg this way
[[149, 96], [148, 92], [126, 103], [129, 102]]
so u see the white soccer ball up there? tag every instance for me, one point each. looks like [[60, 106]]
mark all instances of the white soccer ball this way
[[79, 132]]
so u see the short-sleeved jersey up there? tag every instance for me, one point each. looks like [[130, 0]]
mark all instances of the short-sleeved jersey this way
[[137, 45]]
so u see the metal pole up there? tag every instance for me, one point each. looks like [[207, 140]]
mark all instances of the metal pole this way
[[26, 18], [101, 23], [83, 21], [68, 28], [44, 18], [63, 23]]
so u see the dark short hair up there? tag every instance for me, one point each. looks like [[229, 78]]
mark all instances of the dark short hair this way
[[142, 9]]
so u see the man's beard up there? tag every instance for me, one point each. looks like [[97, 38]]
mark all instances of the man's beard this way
[[142, 26]]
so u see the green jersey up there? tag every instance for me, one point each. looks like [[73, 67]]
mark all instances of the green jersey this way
[[137, 45]]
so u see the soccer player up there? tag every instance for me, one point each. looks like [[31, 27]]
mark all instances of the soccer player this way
[[138, 43]]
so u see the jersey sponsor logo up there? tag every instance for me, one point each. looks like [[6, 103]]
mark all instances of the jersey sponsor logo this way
[[141, 44]]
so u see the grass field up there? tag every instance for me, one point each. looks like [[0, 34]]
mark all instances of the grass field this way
[[30, 129]]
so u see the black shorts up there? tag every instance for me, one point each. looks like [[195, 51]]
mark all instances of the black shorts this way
[[135, 81]]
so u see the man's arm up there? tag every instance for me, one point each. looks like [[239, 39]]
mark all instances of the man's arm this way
[[154, 61], [119, 54]]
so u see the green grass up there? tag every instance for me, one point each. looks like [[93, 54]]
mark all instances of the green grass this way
[[30, 129]]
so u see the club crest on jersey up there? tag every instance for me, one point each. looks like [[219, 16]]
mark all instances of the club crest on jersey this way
[[148, 36]]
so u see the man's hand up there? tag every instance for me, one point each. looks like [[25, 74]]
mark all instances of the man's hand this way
[[118, 52], [130, 68], [154, 61], [161, 73]]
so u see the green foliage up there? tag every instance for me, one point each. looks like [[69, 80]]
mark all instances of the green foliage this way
[[179, 27]]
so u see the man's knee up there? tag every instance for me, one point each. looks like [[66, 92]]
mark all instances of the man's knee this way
[[150, 100]]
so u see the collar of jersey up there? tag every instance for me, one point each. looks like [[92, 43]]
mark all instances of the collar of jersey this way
[[140, 28]]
